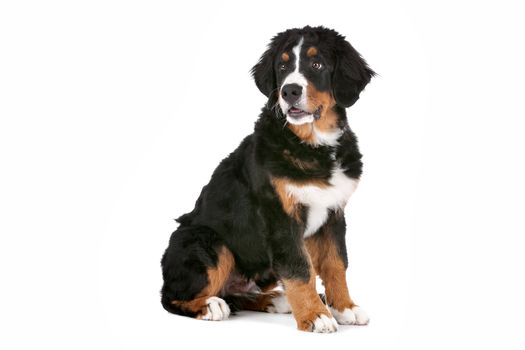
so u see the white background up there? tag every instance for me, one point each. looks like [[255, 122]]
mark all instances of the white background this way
[[114, 114]]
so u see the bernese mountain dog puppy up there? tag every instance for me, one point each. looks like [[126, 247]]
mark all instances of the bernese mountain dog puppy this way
[[273, 212]]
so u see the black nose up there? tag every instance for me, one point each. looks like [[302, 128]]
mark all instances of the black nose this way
[[291, 93]]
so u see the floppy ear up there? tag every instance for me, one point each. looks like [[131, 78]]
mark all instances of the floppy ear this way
[[351, 74], [263, 72]]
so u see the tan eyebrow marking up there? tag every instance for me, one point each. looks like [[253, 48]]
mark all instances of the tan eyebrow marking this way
[[312, 51], [285, 57]]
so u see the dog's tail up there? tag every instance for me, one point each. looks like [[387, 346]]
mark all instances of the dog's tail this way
[[236, 302], [242, 301]]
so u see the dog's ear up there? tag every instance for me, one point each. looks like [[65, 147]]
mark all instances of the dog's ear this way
[[351, 74], [263, 72]]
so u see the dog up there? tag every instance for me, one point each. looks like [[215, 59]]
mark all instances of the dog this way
[[271, 218]]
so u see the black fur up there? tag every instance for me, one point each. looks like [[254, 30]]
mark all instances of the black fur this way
[[239, 207]]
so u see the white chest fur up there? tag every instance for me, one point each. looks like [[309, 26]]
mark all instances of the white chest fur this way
[[320, 199]]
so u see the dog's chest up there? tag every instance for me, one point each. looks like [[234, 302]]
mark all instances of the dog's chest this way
[[320, 199]]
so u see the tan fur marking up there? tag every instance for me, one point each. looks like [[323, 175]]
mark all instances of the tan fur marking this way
[[285, 57], [312, 51], [288, 202], [197, 305], [304, 301], [305, 132], [325, 100], [331, 269], [327, 122], [217, 276]]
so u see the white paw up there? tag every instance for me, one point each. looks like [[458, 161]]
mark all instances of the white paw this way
[[355, 315], [279, 305], [360, 315], [218, 310], [347, 316], [324, 324]]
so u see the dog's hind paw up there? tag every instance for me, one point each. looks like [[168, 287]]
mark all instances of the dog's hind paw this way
[[218, 310]]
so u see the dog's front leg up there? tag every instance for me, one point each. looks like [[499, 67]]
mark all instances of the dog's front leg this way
[[309, 311], [294, 266], [327, 251]]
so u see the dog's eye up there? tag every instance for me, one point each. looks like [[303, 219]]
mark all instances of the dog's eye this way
[[282, 66], [317, 65]]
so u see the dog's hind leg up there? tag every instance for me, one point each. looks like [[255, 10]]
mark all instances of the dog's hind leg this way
[[195, 268]]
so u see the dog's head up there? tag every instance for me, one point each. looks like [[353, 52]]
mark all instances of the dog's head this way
[[310, 71]]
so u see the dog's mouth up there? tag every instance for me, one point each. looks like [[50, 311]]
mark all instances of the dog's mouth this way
[[299, 114]]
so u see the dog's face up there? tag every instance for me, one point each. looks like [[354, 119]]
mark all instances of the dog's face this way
[[308, 72], [303, 81]]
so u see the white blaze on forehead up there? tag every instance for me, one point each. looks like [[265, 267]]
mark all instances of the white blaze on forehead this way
[[295, 77]]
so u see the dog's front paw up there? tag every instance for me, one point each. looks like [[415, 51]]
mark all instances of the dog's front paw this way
[[317, 322], [355, 315], [217, 310], [324, 324]]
